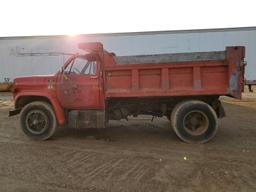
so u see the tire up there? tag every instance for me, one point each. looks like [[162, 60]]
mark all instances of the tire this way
[[38, 120], [194, 121]]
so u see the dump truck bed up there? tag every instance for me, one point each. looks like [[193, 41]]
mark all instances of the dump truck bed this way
[[182, 74]]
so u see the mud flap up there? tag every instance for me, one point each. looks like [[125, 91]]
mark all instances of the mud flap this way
[[221, 111], [218, 108]]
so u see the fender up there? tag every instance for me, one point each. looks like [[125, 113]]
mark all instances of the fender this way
[[59, 112]]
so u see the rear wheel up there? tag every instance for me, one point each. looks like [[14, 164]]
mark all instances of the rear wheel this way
[[38, 120], [194, 121]]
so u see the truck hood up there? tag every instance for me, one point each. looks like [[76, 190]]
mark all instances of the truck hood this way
[[34, 82]]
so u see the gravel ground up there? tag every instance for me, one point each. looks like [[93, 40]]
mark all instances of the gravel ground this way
[[137, 155]]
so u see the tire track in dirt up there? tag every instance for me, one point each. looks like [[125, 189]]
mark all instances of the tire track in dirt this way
[[100, 166], [138, 169]]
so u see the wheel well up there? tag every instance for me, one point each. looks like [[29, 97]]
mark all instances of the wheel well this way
[[24, 100]]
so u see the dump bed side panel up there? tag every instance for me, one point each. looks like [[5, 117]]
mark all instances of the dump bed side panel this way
[[161, 76]]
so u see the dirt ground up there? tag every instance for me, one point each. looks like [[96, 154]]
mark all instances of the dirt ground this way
[[137, 155]]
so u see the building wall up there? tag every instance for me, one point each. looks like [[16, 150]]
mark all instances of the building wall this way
[[21, 56]]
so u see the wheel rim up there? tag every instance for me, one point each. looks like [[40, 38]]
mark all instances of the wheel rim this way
[[196, 122], [36, 122]]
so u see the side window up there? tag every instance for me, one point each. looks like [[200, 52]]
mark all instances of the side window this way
[[90, 68], [82, 66]]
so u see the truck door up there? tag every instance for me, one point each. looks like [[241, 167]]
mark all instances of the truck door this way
[[78, 85]]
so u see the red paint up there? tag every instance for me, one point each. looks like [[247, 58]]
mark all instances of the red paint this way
[[177, 79], [58, 109], [79, 91], [76, 91]]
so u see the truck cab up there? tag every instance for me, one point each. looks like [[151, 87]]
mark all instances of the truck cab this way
[[53, 100]]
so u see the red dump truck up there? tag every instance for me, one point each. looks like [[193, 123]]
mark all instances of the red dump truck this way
[[98, 86]]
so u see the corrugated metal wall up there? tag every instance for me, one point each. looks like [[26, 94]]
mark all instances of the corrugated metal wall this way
[[16, 58]]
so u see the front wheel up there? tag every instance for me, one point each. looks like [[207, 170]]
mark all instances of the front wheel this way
[[38, 120], [194, 121]]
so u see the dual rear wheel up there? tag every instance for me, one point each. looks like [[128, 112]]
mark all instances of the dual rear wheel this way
[[194, 121]]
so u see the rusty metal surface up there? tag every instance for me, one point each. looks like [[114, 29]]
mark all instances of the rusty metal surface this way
[[86, 119], [170, 58], [236, 67]]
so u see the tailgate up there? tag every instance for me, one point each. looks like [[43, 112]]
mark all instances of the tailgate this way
[[235, 57]]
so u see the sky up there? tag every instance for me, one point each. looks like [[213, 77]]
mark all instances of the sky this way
[[71, 17]]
